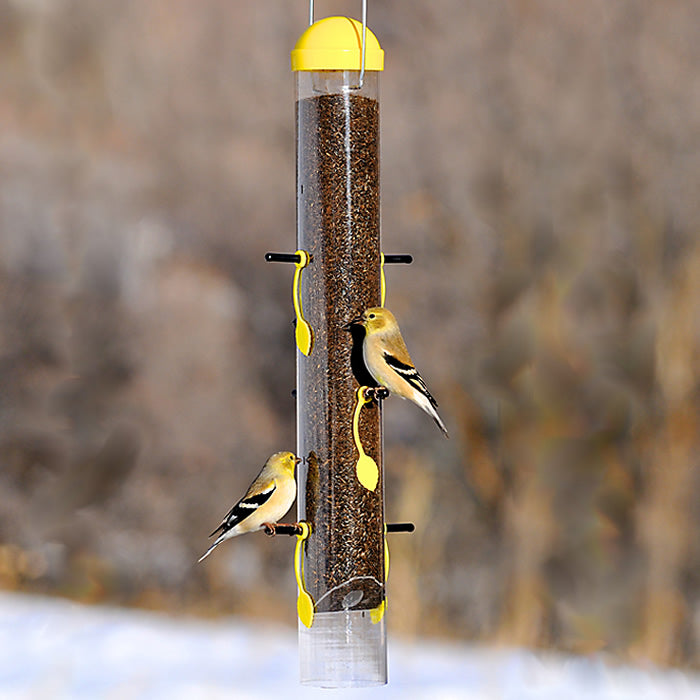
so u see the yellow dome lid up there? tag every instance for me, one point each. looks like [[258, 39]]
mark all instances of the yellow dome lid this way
[[335, 43]]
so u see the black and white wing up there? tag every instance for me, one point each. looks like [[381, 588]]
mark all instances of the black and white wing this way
[[246, 506], [411, 375]]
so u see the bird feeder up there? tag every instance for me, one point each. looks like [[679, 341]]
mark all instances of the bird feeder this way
[[337, 61], [341, 558]]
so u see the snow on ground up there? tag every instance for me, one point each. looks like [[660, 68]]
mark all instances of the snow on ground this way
[[55, 649]]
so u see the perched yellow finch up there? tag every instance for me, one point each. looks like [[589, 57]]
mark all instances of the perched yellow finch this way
[[388, 361], [269, 497]]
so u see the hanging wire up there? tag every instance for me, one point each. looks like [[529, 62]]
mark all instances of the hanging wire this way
[[364, 41], [364, 36]]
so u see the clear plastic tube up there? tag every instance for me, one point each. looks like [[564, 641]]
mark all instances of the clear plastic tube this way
[[338, 225]]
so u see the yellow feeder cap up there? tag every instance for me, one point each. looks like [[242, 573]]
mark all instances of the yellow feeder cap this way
[[335, 43]]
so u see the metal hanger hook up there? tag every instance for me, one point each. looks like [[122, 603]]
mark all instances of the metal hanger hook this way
[[364, 36]]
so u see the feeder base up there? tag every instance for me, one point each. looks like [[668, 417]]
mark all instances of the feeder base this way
[[343, 650]]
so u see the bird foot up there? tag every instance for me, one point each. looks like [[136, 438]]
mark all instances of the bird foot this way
[[378, 393], [272, 529]]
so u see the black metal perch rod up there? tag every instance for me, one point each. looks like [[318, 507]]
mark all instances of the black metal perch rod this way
[[282, 257], [295, 258], [398, 259], [272, 529]]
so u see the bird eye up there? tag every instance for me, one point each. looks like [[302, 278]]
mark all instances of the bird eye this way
[[371, 316]]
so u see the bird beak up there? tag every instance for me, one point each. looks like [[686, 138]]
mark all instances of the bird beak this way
[[298, 460], [354, 322]]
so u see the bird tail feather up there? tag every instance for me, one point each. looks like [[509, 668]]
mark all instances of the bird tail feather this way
[[217, 542], [440, 424], [430, 410]]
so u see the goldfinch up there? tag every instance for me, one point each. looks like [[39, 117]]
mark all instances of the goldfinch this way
[[267, 500], [388, 361]]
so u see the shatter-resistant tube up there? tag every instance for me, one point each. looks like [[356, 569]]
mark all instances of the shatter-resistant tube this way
[[338, 225]]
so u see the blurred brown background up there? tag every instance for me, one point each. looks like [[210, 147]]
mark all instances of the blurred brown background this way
[[541, 162]]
